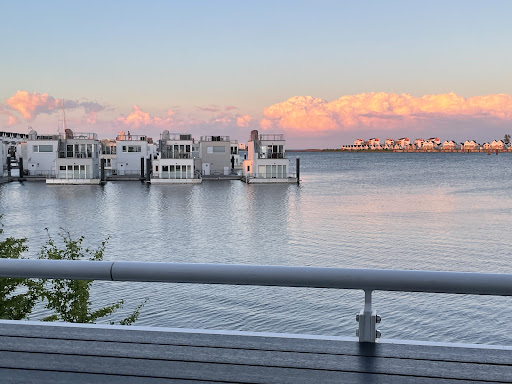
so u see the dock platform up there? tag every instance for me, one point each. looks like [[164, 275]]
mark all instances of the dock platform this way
[[33, 352]]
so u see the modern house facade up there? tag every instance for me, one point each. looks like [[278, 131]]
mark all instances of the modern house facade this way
[[78, 159], [131, 150], [215, 155], [40, 154], [266, 161], [174, 163]]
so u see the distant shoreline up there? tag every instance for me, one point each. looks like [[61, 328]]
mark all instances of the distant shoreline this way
[[401, 151]]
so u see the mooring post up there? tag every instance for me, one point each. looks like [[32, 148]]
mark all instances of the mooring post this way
[[8, 166], [367, 320], [142, 160], [297, 169], [102, 169], [148, 169], [20, 166]]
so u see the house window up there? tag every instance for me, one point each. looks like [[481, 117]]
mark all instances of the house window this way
[[248, 168], [209, 149], [133, 148], [46, 148], [124, 148], [219, 149], [36, 148]]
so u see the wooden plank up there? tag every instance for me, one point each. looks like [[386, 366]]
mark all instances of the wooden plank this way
[[440, 353], [254, 358], [238, 358], [203, 372]]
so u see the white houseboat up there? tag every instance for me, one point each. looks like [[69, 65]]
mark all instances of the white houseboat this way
[[132, 151], [39, 154], [266, 161], [174, 163], [78, 159]]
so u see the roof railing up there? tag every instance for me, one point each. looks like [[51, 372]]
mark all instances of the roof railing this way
[[368, 280]]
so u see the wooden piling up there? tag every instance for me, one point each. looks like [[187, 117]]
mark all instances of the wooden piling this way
[[297, 169]]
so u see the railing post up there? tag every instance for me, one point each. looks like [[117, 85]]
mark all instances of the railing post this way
[[367, 319]]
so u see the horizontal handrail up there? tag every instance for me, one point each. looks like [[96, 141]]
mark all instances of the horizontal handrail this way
[[498, 284]]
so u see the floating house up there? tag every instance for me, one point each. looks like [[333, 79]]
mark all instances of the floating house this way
[[132, 153], [78, 159], [174, 163], [266, 161], [215, 155], [39, 154]]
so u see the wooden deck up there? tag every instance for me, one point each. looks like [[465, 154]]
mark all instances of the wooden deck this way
[[59, 353]]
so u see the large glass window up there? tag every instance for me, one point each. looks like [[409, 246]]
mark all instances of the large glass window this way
[[134, 148], [69, 150], [219, 149]]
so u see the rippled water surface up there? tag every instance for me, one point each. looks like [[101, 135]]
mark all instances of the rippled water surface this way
[[363, 210]]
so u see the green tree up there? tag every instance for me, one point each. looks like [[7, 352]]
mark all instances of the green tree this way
[[506, 140], [70, 299], [15, 305]]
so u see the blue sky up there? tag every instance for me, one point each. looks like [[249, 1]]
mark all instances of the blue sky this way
[[183, 56]]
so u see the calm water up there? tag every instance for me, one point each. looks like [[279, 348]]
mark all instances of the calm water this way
[[363, 210]]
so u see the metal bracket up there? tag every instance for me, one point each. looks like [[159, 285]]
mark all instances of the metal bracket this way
[[367, 319]]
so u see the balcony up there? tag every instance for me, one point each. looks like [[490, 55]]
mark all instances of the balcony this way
[[130, 137], [215, 138], [272, 137]]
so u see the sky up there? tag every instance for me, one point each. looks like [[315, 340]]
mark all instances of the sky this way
[[325, 73]]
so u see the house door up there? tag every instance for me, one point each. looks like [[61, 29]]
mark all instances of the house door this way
[[206, 169]]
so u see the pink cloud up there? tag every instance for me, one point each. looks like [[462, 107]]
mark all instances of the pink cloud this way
[[303, 114], [243, 120], [138, 118], [230, 107], [31, 104]]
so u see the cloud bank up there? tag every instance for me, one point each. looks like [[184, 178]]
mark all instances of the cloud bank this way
[[307, 114], [30, 105]]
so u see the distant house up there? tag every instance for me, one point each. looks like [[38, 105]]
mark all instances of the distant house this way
[[486, 146], [358, 142], [403, 142], [449, 145], [429, 145], [418, 143], [435, 140], [389, 143], [497, 145], [373, 143], [470, 145]]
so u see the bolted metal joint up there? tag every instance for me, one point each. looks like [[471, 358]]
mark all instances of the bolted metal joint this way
[[377, 334], [357, 317], [378, 319]]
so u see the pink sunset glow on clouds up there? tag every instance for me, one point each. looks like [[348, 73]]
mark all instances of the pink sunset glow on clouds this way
[[309, 115], [31, 104], [138, 118], [243, 120]]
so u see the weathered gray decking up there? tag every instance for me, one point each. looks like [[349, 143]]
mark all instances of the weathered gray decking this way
[[34, 353]]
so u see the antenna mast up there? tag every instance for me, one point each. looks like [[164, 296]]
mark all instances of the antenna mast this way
[[63, 116]]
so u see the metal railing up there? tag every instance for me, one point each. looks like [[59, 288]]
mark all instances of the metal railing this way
[[368, 280]]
